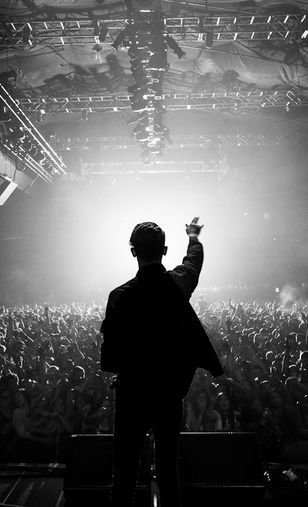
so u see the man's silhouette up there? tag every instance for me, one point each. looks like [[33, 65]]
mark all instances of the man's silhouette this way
[[154, 340]]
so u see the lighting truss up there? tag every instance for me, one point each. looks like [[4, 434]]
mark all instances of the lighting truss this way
[[236, 26], [254, 100], [114, 143], [185, 168], [16, 150]]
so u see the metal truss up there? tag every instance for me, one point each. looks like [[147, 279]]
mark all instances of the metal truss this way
[[239, 26], [14, 146], [254, 100], [179, 142], [185, 168]]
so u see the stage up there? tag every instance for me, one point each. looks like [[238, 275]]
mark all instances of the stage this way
[[41, 485]]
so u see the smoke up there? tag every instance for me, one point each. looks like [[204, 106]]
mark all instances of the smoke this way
[[290, 295]]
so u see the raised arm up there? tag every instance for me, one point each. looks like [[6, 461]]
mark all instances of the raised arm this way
[[186, 275]]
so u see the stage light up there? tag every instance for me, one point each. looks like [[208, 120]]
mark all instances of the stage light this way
[[96, 27], [135, 96], [39, 114], [139, 105], [137, 64], [5, 114], [120, 37], [39, 157], [27, 144], [142, 136], [33, 150], [174, 46], [97, 48], [134, 88], [158, 61], [99, 30], [102, 33], [209, 36]]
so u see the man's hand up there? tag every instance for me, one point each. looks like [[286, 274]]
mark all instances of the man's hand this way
[[193, 229]]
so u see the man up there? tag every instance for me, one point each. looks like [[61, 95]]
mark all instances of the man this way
[[154, 340]]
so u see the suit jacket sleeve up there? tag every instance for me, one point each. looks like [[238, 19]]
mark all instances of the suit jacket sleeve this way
[[112, 329], [186, 275]]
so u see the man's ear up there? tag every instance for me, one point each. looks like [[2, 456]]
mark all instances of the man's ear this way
[[133, 252], [165, 250]]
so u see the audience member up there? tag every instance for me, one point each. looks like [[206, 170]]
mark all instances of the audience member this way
[[51, 385]]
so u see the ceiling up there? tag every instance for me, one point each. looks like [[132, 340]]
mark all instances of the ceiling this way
[[236, 110], [246, 87]]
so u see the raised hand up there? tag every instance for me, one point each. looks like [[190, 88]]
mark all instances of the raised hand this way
[[193, 229]]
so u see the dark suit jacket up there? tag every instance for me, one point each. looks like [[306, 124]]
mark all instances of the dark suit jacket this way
[[152, 336]]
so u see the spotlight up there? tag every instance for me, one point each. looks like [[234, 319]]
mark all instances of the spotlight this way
[[102, 33], [158, 61], [32, 152], [39, 115], [174, 46], [96, 27], [27, 144], [5, 114], [47, 165], [134, 88], [39, 157], [142, 135], [139, 105], [97, 48], [209, 36], [120, 38]]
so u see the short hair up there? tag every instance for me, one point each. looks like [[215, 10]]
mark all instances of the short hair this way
[[148, 240]]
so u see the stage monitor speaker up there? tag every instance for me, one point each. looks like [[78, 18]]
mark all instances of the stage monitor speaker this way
[[220, 466], [89, 468], [7, 187]]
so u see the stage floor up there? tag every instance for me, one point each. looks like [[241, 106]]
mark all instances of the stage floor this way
[[41, 485]]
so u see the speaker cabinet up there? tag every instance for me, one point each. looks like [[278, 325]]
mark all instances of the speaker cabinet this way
[[89, 469], [217, 467], [220, 466]]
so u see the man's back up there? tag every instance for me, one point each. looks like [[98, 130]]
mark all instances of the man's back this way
[[150, 328], [154, 340]]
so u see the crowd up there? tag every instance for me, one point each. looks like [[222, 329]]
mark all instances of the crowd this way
[[52, 386]]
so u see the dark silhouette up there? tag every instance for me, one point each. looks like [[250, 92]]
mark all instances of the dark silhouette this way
[[155, 342]]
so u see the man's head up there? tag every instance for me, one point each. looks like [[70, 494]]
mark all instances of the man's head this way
[[148, 242]]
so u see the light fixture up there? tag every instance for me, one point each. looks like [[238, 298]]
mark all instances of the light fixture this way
[[172, 44], [209, 36], [96, 27], [39, 114], [5, 115], [39, 156], [97, 48], [120, 38], [102, 33]]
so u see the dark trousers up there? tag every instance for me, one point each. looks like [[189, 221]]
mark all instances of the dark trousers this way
[[135, 415]]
